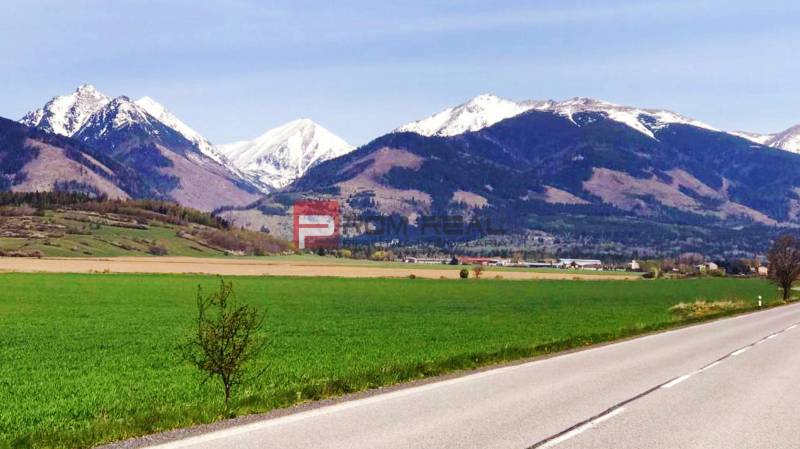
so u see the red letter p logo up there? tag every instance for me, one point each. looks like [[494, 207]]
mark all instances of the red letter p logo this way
[[316, 224]]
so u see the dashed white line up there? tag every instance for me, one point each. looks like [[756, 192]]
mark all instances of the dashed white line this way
[[741, 351], [578, 430], [674, 382]]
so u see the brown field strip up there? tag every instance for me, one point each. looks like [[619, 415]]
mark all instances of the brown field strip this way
[[254, 267]]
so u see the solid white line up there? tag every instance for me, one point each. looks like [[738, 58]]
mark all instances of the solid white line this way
[[771, 337], [741, 351], [676, 381], [791, 327], [578, 430]]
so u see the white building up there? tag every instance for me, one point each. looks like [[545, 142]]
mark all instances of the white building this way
[[426, 260], [580, 263]]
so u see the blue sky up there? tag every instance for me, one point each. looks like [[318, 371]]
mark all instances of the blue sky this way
[[233, 69]]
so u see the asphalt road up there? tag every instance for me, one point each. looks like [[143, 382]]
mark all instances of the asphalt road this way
[[729, 384]]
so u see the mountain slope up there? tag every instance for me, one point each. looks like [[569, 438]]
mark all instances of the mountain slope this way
[[281, 155], [581, 178], [167, 162], [34, 160]]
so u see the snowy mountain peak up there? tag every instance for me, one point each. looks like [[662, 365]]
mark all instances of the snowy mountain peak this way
[[788, 140], [486, 110], [117, 114], [283, 154], [477, 113], [86, 89], [66, 114]]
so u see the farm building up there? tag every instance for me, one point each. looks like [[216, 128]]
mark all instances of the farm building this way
[[426, 260], [580, 263], [466, 260]]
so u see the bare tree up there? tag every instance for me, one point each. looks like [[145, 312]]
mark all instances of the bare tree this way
[[227, 338], [478, 270], [784, 263]]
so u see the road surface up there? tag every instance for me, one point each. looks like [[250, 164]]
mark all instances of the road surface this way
[[733, 383]]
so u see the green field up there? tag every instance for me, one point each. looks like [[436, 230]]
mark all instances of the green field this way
[[86, 359]]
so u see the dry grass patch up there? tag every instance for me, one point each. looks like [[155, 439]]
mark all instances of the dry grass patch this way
[[704, 309]]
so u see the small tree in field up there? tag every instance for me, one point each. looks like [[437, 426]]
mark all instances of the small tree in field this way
[[226, 339], [784, 263], [478, 270]]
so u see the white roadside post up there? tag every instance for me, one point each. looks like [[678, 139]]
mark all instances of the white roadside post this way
[[759, 301]]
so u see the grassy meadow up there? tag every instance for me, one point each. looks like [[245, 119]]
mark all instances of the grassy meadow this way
[[86, 359]]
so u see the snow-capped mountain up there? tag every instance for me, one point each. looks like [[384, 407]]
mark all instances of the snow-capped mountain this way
[[761, 139], [477, 113], [788, 140], [125, 117], [168, 165], [169, 159], [66, 114], [646, 121], [281, 155], [486, 110]]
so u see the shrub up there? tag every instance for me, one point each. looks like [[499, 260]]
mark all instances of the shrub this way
[[464, 273], [157, 250], [226, 339], [412, 276]]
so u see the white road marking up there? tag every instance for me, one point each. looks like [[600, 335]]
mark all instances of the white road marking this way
[[674, 382], [771, 337], [741, 351], [579, 430]]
